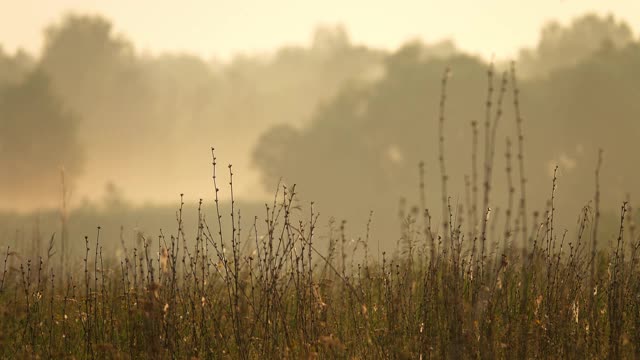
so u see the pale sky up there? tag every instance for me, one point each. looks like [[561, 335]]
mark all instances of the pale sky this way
[[219, 28]]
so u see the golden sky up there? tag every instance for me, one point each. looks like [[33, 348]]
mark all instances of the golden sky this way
[[221, 28]]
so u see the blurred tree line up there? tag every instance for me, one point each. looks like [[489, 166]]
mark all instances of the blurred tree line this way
[[139, 116], [579, 91], [348, 123]]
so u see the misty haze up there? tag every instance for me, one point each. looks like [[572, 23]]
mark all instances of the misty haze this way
[[311, 185]]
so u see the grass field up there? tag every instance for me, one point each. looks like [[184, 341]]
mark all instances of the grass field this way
[[451, 290]]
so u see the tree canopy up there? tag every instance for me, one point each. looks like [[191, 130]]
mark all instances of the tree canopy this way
[[38, 141], [364, 146]]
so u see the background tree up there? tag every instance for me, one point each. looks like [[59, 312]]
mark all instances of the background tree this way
[[363, 147], [13, 68], [149, 113], [565, 46], [38, 138], [582, 108]]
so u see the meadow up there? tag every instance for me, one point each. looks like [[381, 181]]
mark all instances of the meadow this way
[[465, 286]]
